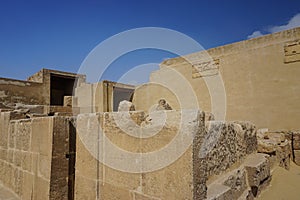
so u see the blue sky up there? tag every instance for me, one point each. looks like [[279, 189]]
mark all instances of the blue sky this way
[[60, 34]]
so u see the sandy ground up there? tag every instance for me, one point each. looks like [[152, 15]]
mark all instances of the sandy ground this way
[[285, 185]]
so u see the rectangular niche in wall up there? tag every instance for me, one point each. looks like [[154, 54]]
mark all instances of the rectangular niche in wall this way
[[208, 68], [292, 52]]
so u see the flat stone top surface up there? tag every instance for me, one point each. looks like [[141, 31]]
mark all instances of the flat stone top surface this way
[[5, 194], [254, 160]]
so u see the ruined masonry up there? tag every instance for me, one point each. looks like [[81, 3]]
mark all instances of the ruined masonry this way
[[64, 138]]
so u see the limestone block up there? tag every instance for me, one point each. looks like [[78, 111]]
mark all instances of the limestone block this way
[[296, 140], [26, 161], [174, 181], [2, 169], [12, 135], [85, 189], [9, 173], [237, 183], [250, 138], [260, 133], [266, 146], [276, 144], [84, 95], [297, 157], [10, 156], [23, 135], [27, 186], [18, 181], [125, 180], [3, 154], [258, 170], [44, 166], [4, 124], [218, 192], [41, 138], [275, 137], [108, 191], [68, 101], [41, 188], [126, 106], [139, 196], [17, 158], [219, 146], [84, 161], [283, 154]]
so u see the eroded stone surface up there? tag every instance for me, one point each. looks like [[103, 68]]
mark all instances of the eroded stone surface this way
[[277, 146], [126, 106], [258, 171]]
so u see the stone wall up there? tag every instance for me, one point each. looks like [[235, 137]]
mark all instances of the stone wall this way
[[99, 97], [15, 91], [260, 75], [35, 91], [32, 158], [126, 175]]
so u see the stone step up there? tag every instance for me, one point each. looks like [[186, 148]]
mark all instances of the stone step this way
[[218, 191]]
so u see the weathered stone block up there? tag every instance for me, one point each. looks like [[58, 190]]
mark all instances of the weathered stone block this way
[[218, 192], [139, 196], [4, 124], [108, 191], [297, 157], [237, 183], [3, 154], [126, 106], [27, 186], [258, 171], [10, 156], [258, 168], [12, 134], [85, 189], [283, 154], [220, 146], [249, 133], [23, 135], [42, 133], [296, 140], [84, 161], [26, 161], [18, 181], [41, 188], [17, 158], [44, 167], [68, 101]]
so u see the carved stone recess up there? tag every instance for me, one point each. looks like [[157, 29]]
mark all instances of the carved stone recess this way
[[292, 52], [208, 68]]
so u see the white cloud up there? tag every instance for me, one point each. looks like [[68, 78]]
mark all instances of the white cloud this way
[[292, 23], [255, 34]]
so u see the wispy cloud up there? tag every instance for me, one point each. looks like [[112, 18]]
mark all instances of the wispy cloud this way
[[255, 34], [292, 23]]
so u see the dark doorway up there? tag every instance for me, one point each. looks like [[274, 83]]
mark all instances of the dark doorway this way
[[120, 94], [60, 86]]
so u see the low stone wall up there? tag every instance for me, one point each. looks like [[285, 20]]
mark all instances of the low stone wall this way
[[16, 91], [103, 172], [32, 156]]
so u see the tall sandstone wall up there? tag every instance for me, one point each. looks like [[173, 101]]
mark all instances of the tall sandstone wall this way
[[260, 75]]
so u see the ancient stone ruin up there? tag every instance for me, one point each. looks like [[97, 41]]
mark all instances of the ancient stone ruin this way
[[64, 138]]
